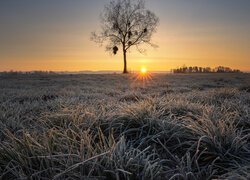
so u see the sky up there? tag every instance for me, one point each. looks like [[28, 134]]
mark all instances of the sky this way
[[55, 35]]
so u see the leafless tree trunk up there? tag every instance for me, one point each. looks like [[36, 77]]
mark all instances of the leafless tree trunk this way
[[125, 71]]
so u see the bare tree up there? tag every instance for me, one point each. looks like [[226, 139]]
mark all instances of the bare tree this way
[[126, 24]]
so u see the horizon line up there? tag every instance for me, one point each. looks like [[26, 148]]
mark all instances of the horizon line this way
[[90, 71]]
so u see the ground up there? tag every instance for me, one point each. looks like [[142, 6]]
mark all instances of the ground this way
[[123, 127]]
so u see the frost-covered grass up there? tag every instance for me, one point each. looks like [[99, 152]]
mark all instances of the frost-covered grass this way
[[113, 127]]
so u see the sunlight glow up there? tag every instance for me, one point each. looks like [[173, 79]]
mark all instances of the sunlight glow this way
[[143, 78], [143, 70]]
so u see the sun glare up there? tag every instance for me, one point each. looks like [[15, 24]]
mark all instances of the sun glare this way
[[143, 70], [143, 77]]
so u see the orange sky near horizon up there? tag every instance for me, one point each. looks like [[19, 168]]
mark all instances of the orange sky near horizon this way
[[61, 43]]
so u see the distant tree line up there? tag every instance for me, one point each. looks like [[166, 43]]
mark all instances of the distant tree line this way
[[196, 69], [11, 72]]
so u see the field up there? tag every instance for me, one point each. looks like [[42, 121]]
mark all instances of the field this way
[[118, 127]]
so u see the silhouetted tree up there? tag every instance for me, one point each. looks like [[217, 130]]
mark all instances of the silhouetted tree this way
[[200, 69], [190, 69], [126, 23], [196, 68]]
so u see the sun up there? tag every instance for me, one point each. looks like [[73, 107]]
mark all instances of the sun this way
[[144, 70], [142, 78]]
